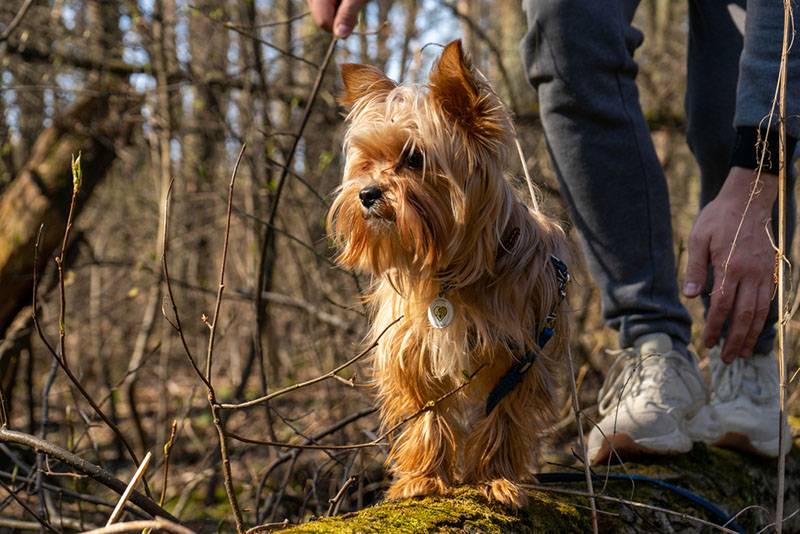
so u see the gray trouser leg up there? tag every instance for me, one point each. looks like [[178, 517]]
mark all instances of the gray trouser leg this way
[[715, 44], [579, 57]]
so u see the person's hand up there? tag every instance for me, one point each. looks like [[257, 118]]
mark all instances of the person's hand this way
[[336, 17], [742, 293]]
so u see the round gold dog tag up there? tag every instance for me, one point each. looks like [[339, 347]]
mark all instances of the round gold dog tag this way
[[440, 312]]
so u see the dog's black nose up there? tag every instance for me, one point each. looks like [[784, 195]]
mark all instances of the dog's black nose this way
[[369, 195]]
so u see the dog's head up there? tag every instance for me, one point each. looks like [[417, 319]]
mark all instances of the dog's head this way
[[423, 190]]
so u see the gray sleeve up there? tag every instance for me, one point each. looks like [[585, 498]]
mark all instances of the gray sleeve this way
[[759, 65]]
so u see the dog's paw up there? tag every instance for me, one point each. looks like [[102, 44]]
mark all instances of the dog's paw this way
[[505, 492], [414, 486]]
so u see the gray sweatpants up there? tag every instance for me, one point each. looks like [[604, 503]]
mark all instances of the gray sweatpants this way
[[579, 57]]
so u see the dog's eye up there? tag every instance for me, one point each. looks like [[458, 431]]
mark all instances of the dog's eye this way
[[414, 160]]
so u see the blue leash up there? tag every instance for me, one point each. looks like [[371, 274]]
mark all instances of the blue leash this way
[[720, 515]]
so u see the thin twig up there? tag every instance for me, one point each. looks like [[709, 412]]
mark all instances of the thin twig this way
[[268, 527], [28, 509], [230, 489], [77, 178], [774, 523], [427, 407], [634, 504], [16, 20], [91, 499], [176, 325], [272, 23], [120, 507], [333, 504], [167, 450], [782, 165], [312, 381], [584, 451], [159, 523], [76, 462], [269, 231], [3, 414], [213, 325], [744, 510], [286, 456], [762, 156], [526, 172], [240, 31]]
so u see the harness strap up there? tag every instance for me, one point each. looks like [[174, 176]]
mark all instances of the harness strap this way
[[516, 373]]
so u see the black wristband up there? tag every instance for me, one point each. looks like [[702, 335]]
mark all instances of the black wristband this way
[[747, 152]]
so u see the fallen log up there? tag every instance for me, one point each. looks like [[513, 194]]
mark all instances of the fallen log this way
[[735, 483]]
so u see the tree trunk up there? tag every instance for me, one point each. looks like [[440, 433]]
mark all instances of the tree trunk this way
[[729, 480], [40, 193]]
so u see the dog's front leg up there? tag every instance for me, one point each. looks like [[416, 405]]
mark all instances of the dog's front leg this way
[[423, 456], [499, 450]]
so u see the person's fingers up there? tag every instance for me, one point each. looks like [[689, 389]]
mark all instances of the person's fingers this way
[[723, 296], [761, 312], [740, 321], [323, 12], [697, 265], [346, 17]]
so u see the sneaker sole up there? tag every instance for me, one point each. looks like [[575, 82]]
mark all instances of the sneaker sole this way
[[624, 447], [741, 442]]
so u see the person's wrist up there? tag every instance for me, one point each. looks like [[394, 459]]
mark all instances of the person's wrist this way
[[739, 185]]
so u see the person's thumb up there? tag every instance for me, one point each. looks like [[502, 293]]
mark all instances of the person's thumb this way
[[697, 265], [346, 17]]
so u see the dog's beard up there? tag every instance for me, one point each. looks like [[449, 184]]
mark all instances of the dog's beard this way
[[406, 230]]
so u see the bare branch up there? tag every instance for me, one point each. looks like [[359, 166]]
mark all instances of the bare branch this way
[[76, 462], [427, 407], [333, 504], [137, 476], [16, 20], [27, 508], [221, 288], [167, 450], [300, 385]]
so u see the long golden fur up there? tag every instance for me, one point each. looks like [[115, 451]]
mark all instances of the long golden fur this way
[[448, 221]]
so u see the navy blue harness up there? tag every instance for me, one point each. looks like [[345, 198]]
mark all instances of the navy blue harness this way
[[514, 376]]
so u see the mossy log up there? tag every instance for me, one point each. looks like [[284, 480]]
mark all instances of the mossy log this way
[[733, 482]]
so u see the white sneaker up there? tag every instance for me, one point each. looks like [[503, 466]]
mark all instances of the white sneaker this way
[[647, 401], [745, 399]]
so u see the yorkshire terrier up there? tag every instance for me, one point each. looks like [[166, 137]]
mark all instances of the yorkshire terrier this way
[[426, 207]]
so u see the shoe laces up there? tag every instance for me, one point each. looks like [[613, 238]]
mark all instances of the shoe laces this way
[[754, 376], [656, 376]]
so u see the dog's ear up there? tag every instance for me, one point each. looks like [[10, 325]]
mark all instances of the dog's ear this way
[[360, 80], [468, 101]]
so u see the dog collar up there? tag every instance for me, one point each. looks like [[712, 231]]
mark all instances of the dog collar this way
[[514, 375]]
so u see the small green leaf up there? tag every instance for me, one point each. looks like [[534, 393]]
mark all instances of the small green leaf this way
[[77, 173]]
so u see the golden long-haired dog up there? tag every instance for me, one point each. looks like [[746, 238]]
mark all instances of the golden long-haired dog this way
[[425, 207]]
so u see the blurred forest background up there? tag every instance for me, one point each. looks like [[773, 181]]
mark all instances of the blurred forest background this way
[[154, 92]]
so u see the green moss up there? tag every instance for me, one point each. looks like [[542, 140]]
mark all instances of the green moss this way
[[465, 511]]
